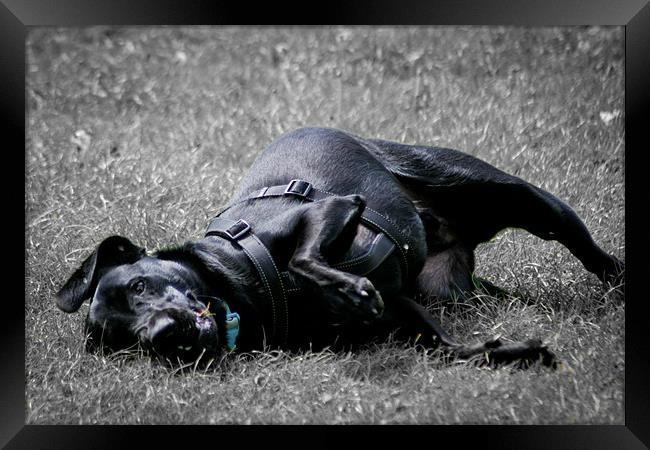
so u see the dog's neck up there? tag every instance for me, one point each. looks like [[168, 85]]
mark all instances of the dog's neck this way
[[227, 277]]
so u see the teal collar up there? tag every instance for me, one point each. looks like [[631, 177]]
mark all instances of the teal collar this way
[[232, 328]]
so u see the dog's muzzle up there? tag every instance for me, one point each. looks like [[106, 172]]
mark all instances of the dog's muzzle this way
[[175, 334]]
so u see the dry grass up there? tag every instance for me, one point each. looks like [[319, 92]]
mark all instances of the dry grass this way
[[146, 131]]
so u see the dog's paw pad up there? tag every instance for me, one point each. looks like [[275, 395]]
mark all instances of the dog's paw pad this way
[[364, 297]]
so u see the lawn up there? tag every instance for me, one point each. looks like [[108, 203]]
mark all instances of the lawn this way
[[145, 132]]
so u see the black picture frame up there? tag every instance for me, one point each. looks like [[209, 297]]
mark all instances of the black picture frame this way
[[17, 15]]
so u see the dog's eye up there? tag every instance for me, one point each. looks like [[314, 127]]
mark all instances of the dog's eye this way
[[138, 286]]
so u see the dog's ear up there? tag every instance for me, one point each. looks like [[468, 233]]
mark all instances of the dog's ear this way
[[113, 251]]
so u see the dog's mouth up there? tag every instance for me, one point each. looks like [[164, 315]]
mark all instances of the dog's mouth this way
[[204, 318], [184, 335]]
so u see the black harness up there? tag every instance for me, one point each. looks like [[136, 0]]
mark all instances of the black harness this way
[[279, 285]]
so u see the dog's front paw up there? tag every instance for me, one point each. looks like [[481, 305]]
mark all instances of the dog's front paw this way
[[494, 353], [363, 297], [523, 354]]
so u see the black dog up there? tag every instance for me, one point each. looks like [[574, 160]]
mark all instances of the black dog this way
[[329, 240]]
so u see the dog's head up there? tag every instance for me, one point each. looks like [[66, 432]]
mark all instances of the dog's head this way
[[138, 299]]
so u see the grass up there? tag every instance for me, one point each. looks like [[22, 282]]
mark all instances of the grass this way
[[145, 132]]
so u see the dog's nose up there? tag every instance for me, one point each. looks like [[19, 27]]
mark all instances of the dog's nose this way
[[162, 329], [164, 333]]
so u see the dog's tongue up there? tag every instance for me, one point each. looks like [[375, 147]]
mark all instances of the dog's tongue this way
[[203, 322]]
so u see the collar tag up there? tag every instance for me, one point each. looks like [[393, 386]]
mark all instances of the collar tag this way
[[232, 330]]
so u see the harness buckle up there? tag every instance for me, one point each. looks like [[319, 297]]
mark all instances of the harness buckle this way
[[299, 188], [237, 230]]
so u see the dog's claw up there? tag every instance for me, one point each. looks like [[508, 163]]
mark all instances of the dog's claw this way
[[363, 297]]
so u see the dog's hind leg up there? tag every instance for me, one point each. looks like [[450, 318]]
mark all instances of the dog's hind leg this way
[[446, 274], [325, 228], [478, 200]]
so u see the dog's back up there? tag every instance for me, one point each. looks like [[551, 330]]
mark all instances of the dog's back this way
[[333, 161]]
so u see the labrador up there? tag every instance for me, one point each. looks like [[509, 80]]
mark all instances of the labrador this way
[[330, 240]]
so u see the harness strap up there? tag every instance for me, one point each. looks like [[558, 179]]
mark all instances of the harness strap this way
[[379, 250], [239, 233], [371, 218]]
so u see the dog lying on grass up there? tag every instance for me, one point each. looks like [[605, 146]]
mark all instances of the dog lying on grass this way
[[329, 240]]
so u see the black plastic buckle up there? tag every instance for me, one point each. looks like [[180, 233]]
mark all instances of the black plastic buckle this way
[[299, 188], [237, 230]]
